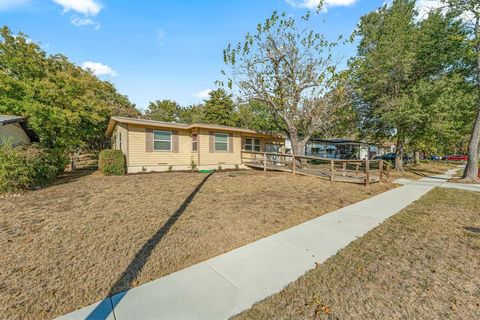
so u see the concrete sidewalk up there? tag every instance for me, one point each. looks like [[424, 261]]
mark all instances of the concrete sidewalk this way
[[461, 186], [232, 282]]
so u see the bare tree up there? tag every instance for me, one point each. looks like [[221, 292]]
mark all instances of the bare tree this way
[[291, 70]]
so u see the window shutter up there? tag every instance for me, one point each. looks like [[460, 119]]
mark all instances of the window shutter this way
[[230, 142], [212, 142], [175, 141], [148, 140]]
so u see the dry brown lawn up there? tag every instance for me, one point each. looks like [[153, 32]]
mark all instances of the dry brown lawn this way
[[423, 169], [74, 243], [423, 263]]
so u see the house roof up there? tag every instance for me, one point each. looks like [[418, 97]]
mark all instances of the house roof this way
[[173, 125], [7, 119], [22, 121]]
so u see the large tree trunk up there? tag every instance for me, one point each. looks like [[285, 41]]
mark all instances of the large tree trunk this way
[[298, 145], [416, 157], [399, 155], [471, 170]]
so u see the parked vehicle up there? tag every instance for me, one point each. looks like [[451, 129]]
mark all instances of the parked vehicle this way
[[456, 158], [391, 157], [434, 157]]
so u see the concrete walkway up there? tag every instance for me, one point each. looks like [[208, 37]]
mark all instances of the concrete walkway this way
[[232, 282], [461, 186]]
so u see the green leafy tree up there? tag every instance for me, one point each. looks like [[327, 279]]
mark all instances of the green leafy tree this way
[[468, 11], [400, 62], [163, 110], [67, 107], [219, 108], [192, 114], [255, 115], [383, 73]]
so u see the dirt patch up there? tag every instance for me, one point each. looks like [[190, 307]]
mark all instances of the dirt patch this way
[[423, 263], [88, 236]]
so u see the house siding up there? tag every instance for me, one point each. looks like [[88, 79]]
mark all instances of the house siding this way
[[141, 157], [141, 160], [15, 131], [214, 159]]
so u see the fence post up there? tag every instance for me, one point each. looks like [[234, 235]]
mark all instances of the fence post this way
[[344, 169], [367, 172], [332, 171], [388, 171], [381, 171], [265, 161], [294, 165], [356, 169]]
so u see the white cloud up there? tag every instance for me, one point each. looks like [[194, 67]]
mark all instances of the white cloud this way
[[84, 22], [425, 6], [313, 4], [99, 69], [203, 94], [85, 7], [10, 4]]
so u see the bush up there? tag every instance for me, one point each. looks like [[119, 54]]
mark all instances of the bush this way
[[111, 162], [27, 167]]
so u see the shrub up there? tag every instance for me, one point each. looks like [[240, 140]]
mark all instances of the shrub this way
[[27, 167], [111, 162], [193, 165]]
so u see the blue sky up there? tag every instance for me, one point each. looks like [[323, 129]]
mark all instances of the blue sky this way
[[161, 49]]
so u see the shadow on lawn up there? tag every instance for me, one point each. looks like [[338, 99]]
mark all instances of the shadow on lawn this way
[[104, 308]]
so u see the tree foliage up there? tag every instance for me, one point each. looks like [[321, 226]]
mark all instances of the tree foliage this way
[[163, 110], [219, 108], [67, 107], [401, 72]]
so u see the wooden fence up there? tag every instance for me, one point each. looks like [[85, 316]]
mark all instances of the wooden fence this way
[[354, 171]]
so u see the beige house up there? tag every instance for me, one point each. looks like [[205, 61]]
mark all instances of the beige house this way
[[15, 129], [160, 146]]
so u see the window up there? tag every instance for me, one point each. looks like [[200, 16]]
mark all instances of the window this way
[[194, 141], [221, 142], [162, 140], [252, 144], [120, 141]]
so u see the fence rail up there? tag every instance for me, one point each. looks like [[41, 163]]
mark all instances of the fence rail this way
[[354, 171]]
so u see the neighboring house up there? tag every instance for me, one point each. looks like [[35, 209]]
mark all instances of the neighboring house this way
[[15, 128], [339, 149], [160, 146]]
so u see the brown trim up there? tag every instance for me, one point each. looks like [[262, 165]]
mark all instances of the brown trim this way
[[230, 143], [198, 147], [148, 140], [128, 144], [211, 141], [191, 141], [175, 141]]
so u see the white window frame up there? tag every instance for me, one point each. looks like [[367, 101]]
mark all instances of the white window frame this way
[[171, 140], [253, 144], [215, 141], [196, 142]]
